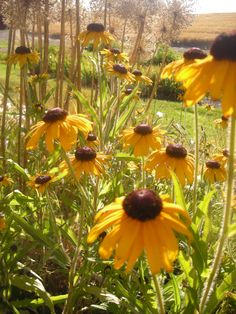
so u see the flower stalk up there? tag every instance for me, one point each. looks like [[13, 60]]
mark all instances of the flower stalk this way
[[225, 224], [160, 299], [196, 166]]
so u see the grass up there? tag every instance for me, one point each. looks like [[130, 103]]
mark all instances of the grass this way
[[182, 121]]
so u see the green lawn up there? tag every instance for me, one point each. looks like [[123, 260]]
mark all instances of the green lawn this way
[[181, 120]]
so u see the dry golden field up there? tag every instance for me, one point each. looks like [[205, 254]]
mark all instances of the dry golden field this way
[[204, 28], [208, 26]]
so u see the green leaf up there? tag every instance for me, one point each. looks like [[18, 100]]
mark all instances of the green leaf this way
[[37, 302], [84, 102], [124, 118], [32, 285], [18, 168], [179, 196], [49, 94], [38, 236], [125, 157], [232, 230], [203, 217], [176, 290], [203, 207]]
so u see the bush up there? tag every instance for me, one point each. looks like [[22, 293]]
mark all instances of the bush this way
[[169, 90], [166, 90], [171, 56]]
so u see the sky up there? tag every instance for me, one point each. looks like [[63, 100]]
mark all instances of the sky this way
[[215, 6]]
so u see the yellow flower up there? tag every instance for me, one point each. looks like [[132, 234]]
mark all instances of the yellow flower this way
[[41, 182], [114, 55], [37, 78], [86, 160], [142, 138], [58, 125], [2, 222], [214, 75], [215, 171], [38, 107], [222, 122], [119, 70], [209, 107], [23, 56], [223, 157], [139, 77], [141, 221], [5, 180], [174, 158], [96, 34], [189, 57], [92, 140], [129, 91]]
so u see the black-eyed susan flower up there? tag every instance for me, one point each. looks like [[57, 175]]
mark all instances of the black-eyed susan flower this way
[[128, 91], [215, 171], [189, 57], [142, 138], [223, 157], [223, 122], [40, 182], [86, 160], [38, 107], [114, 55], [214, 75], [23, 55], [92, 140], [38, 78], [5, 180], [58, 125], [139, 222], [173, 158], [209, 107], [2, 222], [96, 34], [119, 70], [139, 77]]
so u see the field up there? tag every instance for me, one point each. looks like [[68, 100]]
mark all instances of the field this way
[[205, 27]]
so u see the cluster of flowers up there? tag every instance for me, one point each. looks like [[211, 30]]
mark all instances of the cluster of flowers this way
[[143, 220], [116, 61]]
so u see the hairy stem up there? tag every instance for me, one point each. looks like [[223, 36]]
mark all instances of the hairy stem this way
[[225, 225]]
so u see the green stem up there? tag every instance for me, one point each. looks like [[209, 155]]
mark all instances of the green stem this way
[[143, 173], [52, 219], [68, 309], [72, 171], [196, 160], [100, 104], [160, 299], [209, 287], [95, 195]]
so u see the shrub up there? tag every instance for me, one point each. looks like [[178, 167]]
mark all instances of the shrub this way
[[171, 56], [166, 90]]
